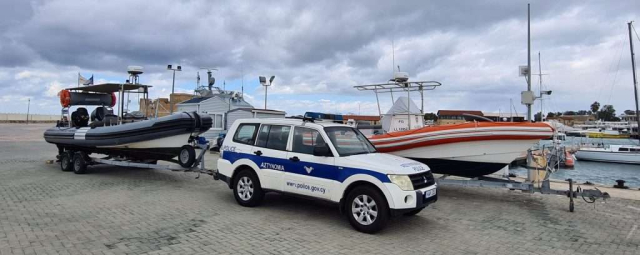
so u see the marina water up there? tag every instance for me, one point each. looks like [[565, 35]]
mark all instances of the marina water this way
[[595, 172]]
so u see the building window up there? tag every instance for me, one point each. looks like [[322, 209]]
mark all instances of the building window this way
[[218, 120]]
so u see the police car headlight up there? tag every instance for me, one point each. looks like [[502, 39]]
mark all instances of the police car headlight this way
[[403, 181]]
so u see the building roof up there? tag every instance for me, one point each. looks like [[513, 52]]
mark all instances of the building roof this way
[[400, 107], [246, 109], [195, 100], [503, 114], [224, 97], [458, 112], [362, 117]]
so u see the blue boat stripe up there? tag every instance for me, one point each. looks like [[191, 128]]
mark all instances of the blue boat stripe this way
[[322, 171]]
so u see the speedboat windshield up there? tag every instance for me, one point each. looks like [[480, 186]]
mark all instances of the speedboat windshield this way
[[349, 141]]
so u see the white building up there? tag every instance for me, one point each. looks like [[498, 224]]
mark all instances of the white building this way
[[224, 108]]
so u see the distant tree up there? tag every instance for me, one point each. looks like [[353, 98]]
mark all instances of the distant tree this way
[[595, 106], [583, 112], [569, 113], [537, 116], [607, 113], [558, 114], [430, 116], [550, 115], [629, 112]]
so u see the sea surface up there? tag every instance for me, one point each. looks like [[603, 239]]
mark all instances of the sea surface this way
[[595, 172]]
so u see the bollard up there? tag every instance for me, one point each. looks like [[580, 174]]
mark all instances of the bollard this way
[[620, 184]]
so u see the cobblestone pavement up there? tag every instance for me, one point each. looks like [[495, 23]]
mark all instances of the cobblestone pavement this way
[[129, 211]]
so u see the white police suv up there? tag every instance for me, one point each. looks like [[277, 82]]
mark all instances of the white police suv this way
[[326, 161]]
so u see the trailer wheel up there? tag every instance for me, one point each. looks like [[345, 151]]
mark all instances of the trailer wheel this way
[[187, 156], [79, 163], [66, 159]]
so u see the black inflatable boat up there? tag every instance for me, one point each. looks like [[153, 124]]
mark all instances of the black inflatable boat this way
[[159, 139], [126, 136]]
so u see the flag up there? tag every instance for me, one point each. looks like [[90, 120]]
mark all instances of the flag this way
[[81, 80], [89, 81]]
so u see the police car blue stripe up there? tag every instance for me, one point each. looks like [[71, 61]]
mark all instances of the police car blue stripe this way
[[323, 171]]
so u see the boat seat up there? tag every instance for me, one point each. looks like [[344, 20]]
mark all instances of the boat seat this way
[[80, 117]]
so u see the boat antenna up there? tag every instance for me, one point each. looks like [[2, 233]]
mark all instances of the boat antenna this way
[[635, 81], [242, 75], [393, 64]]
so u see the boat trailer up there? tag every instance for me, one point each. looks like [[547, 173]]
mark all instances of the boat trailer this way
[[198, 165], [544, 187]]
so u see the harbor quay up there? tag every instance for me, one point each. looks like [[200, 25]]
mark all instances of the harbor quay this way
[[118, 210]]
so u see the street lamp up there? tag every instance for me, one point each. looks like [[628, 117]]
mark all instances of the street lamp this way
[[263, 81], [178, 68], [28, 108]]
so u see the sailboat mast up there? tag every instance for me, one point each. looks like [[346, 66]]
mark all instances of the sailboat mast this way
[[540, 80], [635, 81]]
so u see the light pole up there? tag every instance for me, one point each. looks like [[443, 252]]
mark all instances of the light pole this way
[[263, 81], [28, 106], [178, 68]]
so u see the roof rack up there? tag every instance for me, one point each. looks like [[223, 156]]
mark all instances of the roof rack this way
[[303, 118]]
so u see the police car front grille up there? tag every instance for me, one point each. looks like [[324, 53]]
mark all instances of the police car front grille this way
[[422, 180]]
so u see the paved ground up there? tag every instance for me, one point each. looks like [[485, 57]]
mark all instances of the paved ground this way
[[116, 211]]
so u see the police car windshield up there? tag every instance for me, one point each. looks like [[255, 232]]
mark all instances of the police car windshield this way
[[349, 141]]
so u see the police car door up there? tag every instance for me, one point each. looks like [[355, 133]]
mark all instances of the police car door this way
[[270, 153], [308, 174]]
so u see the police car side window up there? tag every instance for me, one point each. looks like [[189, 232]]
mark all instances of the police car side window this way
[[278, 137], [263, 135], [305, 139], [246, 134], [273, 137]]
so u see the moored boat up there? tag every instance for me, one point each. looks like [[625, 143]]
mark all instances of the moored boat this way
[[626, 154]]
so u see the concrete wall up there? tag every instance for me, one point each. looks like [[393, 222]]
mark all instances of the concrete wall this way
[[22, 117]]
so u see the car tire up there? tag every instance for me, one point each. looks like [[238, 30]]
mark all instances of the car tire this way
[[247, 189], [187, 156], [367, 209], [413, 212], [79, 163], [66, 161]]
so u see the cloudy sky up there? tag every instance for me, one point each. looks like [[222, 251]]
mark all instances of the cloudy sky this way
[[318, 50]]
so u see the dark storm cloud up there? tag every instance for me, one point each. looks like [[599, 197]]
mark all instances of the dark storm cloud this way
[[316, 47]]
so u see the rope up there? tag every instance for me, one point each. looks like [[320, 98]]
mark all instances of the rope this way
[[615, 78]]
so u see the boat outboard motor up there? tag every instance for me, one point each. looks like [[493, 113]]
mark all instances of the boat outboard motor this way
[[100, 113], [80, 117]]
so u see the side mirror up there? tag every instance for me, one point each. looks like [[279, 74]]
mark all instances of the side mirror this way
[[322, 151]]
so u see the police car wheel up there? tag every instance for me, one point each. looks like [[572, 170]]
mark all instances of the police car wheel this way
[[414, 212], [187, 156], [367, 209], [247, 190]]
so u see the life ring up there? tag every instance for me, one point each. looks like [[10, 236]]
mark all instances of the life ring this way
[[65, 98]]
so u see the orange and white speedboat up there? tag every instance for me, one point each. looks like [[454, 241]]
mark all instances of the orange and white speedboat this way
[[469, 149]]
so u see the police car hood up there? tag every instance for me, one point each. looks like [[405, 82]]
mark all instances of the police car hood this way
[[384, 163]]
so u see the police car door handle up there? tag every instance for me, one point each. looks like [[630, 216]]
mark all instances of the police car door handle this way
[[294, 159], [259, 153]]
